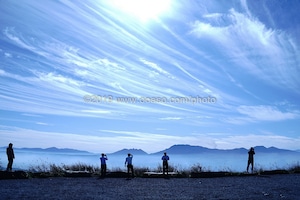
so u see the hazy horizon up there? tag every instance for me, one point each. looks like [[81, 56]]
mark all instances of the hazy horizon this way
[[208, 161]]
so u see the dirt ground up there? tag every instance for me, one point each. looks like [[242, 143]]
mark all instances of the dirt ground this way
[[250, 187]]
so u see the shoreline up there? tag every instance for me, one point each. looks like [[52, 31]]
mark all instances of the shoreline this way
[[19, 174]]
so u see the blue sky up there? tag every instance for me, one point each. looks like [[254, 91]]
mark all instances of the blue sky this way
[[56, 56]]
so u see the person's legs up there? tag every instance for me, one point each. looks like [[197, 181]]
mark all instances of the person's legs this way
[[167, 168], [128, 169], [9, 165], [132, 173], [103, 170], [248, 165]]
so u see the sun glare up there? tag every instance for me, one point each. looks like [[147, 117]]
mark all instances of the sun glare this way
[[143, 9]]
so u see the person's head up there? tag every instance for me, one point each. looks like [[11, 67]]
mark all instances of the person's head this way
[[10, 145], [103, 154], [251, 149], [129, 154], [165, 153]]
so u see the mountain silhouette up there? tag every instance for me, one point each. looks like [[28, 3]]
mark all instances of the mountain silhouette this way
[[50, 149], [179, 149], [131, 151], [185, 149], [263, 149], [189, 149]]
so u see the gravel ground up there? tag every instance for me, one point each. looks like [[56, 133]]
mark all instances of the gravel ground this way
[[250, 187]]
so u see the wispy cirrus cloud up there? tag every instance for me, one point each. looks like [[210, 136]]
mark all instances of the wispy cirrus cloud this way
[[267, 113], [214, 49], [261, 113], [111, 77], [265, 53]]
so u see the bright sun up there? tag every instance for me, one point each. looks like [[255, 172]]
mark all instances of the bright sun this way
[[143, 9]]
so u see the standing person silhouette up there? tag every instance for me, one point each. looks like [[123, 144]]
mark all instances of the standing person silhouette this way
[[10, 156], [103, 160], [128, 161], [251, 153], [165, 159]]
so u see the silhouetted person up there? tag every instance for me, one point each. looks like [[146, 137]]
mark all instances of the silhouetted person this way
[[251, 159], [165, 159], [103, 160], [128, 161], [10, 156]]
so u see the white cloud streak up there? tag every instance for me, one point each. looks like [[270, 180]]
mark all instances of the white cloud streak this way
[[267, 113]]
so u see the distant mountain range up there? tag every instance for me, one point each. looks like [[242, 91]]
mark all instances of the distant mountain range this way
[[51, 149], [175, 149], [188, 149]]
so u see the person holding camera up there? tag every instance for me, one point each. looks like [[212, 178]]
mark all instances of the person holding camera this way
[[103, 159], [251, 153]]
